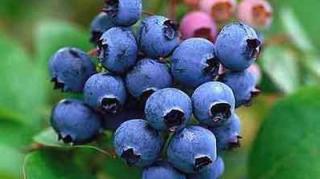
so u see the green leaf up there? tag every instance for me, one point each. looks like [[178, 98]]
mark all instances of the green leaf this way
[[114, 169], [48, 164], [52, 35], [281, 65], [287, 145], [10, 163], [295, 30], [306, 13], [49, 138], [15, 134], [22, 93]]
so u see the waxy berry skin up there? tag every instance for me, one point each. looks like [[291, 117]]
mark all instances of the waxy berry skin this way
[[105, 92], [214, 172], [243, 85], [123, 12], [70, 68], [194, 62], [213, 103], [256, 13], [101, 23], [192, 150], [237, 46], [147, 77], [75, 122], [162, 170], [198, 24], [168, 109], [118, 50], [228, 136], [137, 143], [158, 36]]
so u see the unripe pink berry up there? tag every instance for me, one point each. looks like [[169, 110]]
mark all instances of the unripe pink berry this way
[[256, 71], [220, 10], [256, 13], [198, 24], [192, 3]]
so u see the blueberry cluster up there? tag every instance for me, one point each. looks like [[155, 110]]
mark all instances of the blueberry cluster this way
[[170, 102]]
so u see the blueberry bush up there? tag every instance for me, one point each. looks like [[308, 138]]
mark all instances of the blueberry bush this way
[[178, 70]]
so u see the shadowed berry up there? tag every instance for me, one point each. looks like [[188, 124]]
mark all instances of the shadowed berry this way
[[123, 12], [70, 68], [101, 23], [228, 136], [147, 77], [162, 170], [74, 122]]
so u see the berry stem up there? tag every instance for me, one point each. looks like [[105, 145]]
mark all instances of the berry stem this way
[[93, 52]]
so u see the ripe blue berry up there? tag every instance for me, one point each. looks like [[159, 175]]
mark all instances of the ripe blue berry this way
[[105, 92], [137, 143], [237, 46], [194, 62], [70, 68], [168, 109], [158, 36], [147, 77], [161, 170], [228, 135], [101, 23], [118, 50], [243, 86], [192, 150], [214, 172], [213, 103], [75, 122], [123, 12]]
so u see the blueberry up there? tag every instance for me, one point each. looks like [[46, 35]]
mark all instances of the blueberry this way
[[214, 172], [168, 109], [118, 50], [105, 92], [161, 170], [213, 103], [243, 86], [124, 12], [101, 23], [194, 62], [158, 36], [137, 143], [228, 135], [237, 46], [75, 122], [131, 110], [192, 150], [70, 68], [147, 77]]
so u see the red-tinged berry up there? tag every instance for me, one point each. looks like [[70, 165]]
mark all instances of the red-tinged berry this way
[[198, 24], [257, 13], [220, 10]]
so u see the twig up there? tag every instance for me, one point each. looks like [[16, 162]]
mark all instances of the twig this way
[[173, 9]]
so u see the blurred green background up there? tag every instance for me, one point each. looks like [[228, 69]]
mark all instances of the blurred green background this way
[[280, 130]]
